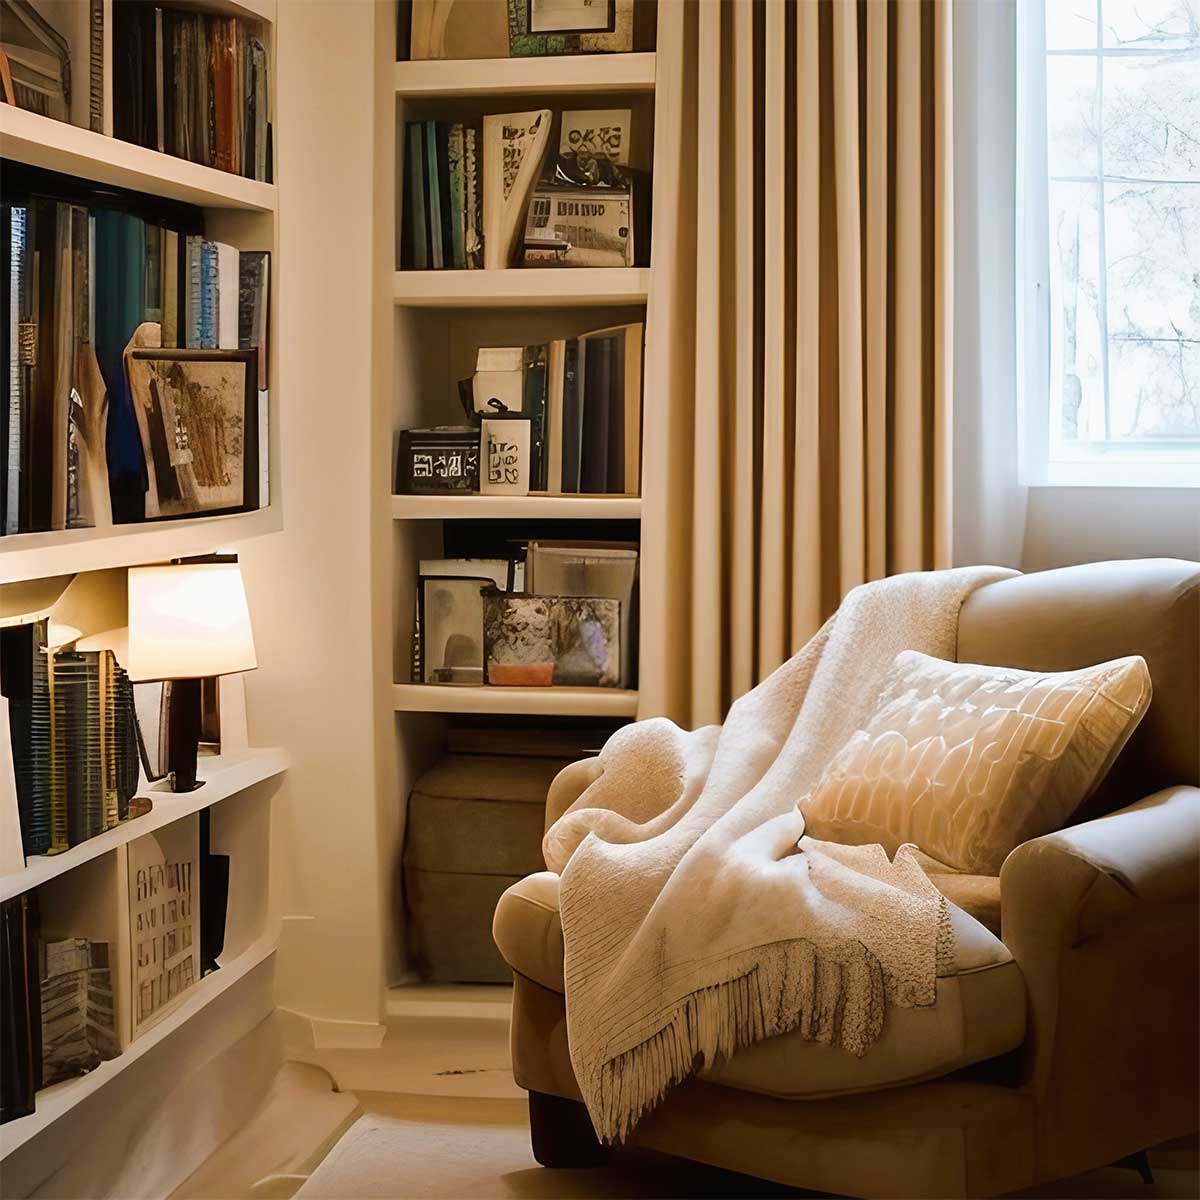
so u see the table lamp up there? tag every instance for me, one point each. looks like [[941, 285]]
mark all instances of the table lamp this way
[[187, 621]]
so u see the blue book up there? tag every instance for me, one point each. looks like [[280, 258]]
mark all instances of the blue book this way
[[435, 195], [208, 296]]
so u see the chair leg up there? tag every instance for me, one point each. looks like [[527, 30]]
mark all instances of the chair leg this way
[[1139, 1162], [562, 1134]]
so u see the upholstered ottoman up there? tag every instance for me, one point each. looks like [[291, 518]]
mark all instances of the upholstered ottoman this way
[[474, 828]]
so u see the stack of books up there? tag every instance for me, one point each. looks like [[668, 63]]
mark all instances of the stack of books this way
[[442, 226], [78, 282], [593, 424], [192, 84]]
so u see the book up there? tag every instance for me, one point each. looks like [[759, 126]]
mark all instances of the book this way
[[434, 196], [443, 169], [625, 419], [254, 305], [574, 363], [228, 283], [597, 409], [170, 288], [535, 396], [514, 146], [415, 213], [473, 200], [192, 339], [555, 371], [20, 1006], [208, 295], [458, 227]]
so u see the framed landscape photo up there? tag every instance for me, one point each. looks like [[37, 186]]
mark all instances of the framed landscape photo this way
[[197, 411]]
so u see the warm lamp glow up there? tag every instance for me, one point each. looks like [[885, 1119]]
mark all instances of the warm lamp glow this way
[[188, 621]]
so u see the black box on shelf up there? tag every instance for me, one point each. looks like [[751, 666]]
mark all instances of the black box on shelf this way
[[437, 462]]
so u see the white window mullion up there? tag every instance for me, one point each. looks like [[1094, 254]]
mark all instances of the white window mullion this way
[[1102, 216]]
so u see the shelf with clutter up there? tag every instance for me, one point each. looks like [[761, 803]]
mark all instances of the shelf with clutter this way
[[141, 342], [58, 68], [135, 817]]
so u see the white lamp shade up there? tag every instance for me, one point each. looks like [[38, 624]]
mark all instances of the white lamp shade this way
[[188, 621]]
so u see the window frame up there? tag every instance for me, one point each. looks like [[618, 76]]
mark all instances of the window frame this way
[[1112, 463]]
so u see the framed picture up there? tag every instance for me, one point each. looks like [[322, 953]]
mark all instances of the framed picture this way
[[451, 622], [571, 16], [197, 411], [438, 462], [538, 641]]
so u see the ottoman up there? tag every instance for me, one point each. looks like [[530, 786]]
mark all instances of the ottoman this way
[[474, 828]]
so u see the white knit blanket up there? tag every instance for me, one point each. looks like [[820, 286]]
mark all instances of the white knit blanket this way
[[698, 919]]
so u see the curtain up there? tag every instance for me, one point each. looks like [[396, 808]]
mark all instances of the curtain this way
[[797, 412]]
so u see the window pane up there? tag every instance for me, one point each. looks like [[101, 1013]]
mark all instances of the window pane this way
[[1154, 389], [1146, 24], [1070, 24], [1152, 116], [1073, 129], [1153, 246], [1076, 333]]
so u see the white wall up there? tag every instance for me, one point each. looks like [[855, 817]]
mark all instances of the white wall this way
[[310, 585], [1073, 525]]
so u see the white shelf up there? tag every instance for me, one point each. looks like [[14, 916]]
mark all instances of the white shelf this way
[[574, 508], [54, 1102], [570, 74], [226, 775], [59, 146], [551, 701], [532, 287], [38, 555]]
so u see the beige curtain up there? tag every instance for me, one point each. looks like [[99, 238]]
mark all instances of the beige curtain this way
[[797, 412]]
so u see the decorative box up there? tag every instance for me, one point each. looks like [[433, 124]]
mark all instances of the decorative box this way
[[438, 461]]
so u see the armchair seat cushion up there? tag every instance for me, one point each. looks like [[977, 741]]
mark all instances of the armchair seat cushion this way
[[979, 1014]]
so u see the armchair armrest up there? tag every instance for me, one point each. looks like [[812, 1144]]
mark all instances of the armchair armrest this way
[[568, 785], [1102, 919]]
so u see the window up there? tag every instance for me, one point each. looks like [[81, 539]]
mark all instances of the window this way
[[1108, 241]]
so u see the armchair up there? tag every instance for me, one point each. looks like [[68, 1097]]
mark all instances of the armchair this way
[[1094, 1035]]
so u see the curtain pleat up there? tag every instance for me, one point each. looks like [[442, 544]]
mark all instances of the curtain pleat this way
[[798, 372]]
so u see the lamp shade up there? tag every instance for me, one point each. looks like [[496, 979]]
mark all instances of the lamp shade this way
[[188, 621]]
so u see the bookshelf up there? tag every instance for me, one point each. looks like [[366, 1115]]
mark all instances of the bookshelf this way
[[429, 326], [529, 287], [84, 890], [526, 701], [492, 78]]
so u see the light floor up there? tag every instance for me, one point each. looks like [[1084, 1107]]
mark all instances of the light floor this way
[[432, 1113]]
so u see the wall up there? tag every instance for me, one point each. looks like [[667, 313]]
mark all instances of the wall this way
[[1072, 525], [309, 586]]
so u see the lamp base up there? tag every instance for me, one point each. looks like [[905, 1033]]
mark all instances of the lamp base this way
[[183, 735]]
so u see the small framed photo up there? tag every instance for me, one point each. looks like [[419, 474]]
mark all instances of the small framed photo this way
[[539, 641], [505, 461], [451, 622], [571, 16], [197, 411]]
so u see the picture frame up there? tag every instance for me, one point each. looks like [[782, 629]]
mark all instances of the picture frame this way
[[570, 16], [450, 615], [438, 462], [197, 412], [544, 641]]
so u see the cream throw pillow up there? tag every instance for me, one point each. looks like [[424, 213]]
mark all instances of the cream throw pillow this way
[[968, 762]]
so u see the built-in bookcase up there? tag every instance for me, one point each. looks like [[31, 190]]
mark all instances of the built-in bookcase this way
[[437, 320], [83, 892]]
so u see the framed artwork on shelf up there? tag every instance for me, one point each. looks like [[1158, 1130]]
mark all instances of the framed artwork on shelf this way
[[540, 641], [451, 624], [197, 411]]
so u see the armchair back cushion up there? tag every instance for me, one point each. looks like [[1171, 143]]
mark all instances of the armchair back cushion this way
[[1075, 617]]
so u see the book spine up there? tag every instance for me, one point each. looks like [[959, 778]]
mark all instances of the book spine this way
[[433, 184], [472, 199], [458, 228], [15, 282], [208, 296], [444, 189], [170, 289], [261, 93], [228, 288], [534, 405], [159, 115], [573, 363], [96, 66], [414, 164], [597, 379], [192, 294]]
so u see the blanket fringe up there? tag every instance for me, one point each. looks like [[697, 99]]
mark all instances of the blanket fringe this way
[[831, 994]]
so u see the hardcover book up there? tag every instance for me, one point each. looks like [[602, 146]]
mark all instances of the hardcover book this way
[[514, 145]]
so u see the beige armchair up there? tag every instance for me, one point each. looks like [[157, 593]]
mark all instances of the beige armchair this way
[[1083, 1052]]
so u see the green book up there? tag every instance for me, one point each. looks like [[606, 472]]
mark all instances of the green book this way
[[415, 215], [534, 404], [436, 258], [458, 226]]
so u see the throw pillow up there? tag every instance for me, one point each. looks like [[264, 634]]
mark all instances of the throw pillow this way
[[968, 762]]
